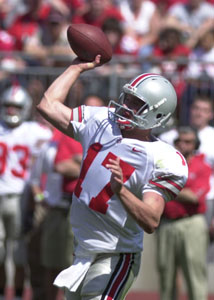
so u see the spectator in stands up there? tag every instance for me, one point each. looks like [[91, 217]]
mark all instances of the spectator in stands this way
[[167, 56], [9, 61], [200, 115], [9, 9], [192, 18], [182, 237], [120, 42], [28, 22], [141, 20], [201, 63], [124, 47], [68, 7], [49, 41], [96, 12], [163, 6]]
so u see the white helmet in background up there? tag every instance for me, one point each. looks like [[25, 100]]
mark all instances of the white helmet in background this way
[[159, 102], [18, 97]]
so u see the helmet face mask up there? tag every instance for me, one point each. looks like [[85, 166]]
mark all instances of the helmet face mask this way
[[158, 98], [16, 106]]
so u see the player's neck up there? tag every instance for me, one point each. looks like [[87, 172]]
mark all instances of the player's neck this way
[[138, 134]]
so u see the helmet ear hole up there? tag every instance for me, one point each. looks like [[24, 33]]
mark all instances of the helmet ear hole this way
[[158, 116]]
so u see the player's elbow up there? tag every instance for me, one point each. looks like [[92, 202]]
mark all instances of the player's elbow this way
[[151, 226], [43, 106]]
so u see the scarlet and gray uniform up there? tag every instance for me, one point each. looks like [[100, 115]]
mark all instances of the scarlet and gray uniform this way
[[108, 228], [17, 147]]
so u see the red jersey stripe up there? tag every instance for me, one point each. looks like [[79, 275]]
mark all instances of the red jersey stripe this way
[[174, 184], [80, 113], [162, 187]]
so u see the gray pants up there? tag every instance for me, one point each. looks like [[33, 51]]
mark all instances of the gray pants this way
[[182, 245]]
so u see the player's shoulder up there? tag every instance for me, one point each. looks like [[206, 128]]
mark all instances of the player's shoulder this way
[[95, 114], [95, 111], [170, 170], [84, 113], [169, 159]]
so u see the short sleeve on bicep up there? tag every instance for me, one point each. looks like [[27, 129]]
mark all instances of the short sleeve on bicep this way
[[169, 175]]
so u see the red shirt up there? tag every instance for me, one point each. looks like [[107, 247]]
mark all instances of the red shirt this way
[[27, 24], [178, 51], [199, 182], [109, 12], [67, 148]]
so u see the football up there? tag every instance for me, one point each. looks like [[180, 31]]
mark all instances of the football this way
[[87, 41]]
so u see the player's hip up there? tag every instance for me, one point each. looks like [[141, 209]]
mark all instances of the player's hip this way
[[110, 275]]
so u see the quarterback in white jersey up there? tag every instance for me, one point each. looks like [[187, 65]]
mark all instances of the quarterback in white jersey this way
[[20, 141], [146, 166], [126, 177]]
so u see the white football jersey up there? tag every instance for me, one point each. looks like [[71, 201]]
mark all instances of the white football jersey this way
[[17, 147], [44, 165], [99, 220]]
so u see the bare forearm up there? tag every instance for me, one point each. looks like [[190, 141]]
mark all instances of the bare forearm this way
[[187, 196], [145, 215], [145, 212], [59, 89], [52, 106], [68, 168]]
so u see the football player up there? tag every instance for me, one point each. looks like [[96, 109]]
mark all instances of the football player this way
[[127, 175], [20, 141]]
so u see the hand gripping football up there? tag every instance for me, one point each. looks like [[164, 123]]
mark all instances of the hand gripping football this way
[[87, 41]]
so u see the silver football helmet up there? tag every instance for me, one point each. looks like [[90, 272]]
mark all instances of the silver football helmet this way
[[159, 101], [18, 97]]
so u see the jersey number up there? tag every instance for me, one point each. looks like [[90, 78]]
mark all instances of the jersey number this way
[[23, 160], [100, 202]]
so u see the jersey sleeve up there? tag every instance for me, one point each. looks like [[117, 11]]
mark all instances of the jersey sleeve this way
[[169, 175]]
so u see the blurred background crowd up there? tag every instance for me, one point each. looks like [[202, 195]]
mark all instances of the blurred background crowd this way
[[174, 38]]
